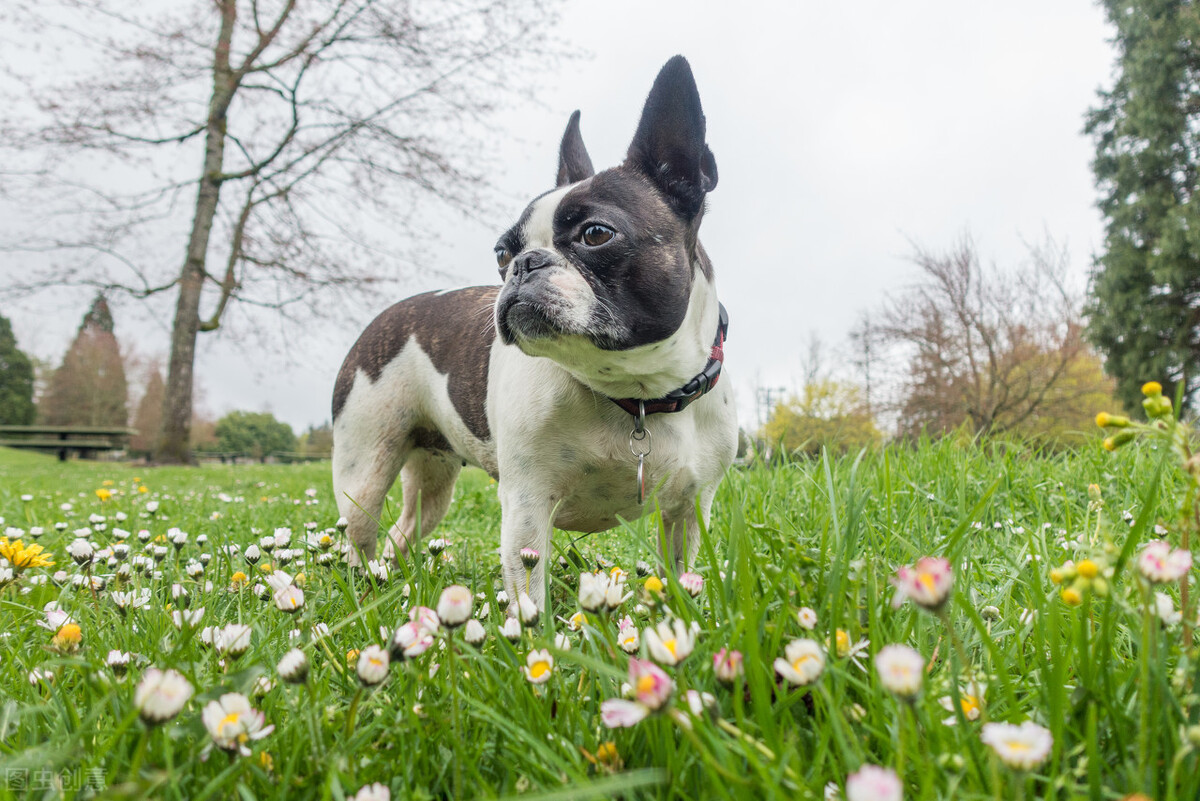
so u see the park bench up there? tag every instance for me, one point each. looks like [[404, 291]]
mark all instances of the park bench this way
[[63, 440]]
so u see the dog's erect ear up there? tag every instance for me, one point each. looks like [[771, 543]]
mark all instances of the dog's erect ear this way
[[574, 164], [669, 144]]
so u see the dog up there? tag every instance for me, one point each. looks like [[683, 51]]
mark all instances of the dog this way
[[585, 381]]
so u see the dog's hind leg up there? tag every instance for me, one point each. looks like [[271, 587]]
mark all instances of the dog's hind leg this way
[[428, 481], [361, 480]]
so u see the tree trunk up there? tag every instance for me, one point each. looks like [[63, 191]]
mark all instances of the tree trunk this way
[[174, 447]]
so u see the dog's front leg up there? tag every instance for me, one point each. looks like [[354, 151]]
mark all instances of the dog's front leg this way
[[524, 523]]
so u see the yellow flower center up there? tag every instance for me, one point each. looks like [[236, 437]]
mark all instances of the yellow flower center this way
[[539, 669], [229, 720], [670, 646], [69, 634], [843, 643], [927, 581], [646, 684], [799, 664], [1017, 745], [969, 704]]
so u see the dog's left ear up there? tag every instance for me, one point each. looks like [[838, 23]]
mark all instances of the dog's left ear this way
[[574, 163], [669, 145]]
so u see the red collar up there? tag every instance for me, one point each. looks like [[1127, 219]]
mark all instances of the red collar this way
[[679, 399]]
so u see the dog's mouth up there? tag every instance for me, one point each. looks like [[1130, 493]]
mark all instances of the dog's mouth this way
[[523, 314]]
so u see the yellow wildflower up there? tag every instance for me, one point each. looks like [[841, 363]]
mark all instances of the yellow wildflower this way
[[103, 494], [1071, 596], [143, 488], [653, 584], [1087, 568], [1151, 388], [68, 638], [22, 556]]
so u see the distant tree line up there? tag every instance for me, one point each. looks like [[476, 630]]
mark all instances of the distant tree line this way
[[90, 388]]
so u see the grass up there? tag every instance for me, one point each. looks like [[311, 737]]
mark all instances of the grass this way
[[1110, 682]]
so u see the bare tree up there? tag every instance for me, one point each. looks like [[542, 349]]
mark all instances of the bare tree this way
[[278, 144], [987, 348]]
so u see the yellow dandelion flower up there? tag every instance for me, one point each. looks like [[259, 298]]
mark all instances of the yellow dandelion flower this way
[[143, 488], [607, 752], [237, 578], [351, 656], [108, 482], [1151, 389], [653, 584], [22, 556], [69, 637], [103, 494]]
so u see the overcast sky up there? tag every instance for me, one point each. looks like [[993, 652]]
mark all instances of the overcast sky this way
[[842, 132]]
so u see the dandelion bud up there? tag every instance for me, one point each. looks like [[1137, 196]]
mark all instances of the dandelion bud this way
[[1118, 439], [1100, 586], [1152, 389], [1106, 420], [1093, 492], [1156, 406]]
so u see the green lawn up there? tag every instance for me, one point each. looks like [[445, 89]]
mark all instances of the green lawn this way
[[1109, 682]]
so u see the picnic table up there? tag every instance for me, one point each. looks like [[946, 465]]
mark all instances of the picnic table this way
[[83, 440]]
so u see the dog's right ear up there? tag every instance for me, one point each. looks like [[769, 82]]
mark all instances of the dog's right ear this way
[[574, 163]]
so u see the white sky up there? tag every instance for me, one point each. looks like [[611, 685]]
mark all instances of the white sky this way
[[842, 131]]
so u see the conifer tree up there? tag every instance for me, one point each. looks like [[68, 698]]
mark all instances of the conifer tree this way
[[89, 388], [1144, 311]]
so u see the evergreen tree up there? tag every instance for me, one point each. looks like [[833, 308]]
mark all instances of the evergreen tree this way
[[16, 380], [1145, 295], [89, 388]]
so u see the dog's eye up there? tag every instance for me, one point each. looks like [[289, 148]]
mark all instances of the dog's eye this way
[[503, 257], [596, 235]]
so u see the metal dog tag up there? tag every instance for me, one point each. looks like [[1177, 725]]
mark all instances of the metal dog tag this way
[[640, 438]]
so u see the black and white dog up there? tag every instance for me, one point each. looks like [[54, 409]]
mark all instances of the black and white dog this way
[[573, 382]]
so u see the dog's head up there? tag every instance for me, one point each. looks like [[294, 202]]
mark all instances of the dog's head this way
[[605, 263]]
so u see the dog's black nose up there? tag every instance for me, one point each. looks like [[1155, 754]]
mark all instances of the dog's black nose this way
[[532, 260]]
